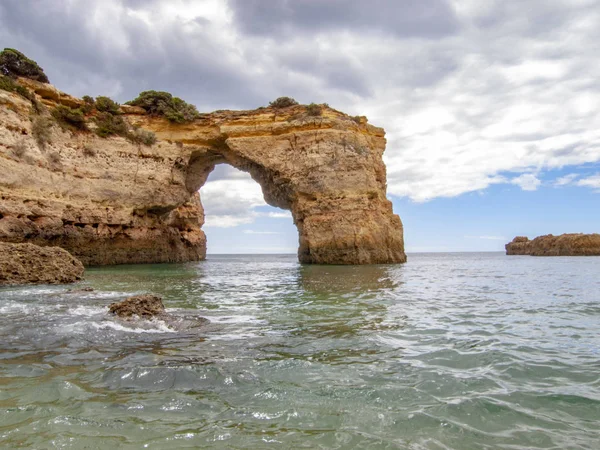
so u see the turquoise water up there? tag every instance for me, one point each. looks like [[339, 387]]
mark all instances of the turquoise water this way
[[449, 351]]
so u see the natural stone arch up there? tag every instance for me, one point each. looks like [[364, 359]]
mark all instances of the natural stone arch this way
[[327, 171], [134, 204]]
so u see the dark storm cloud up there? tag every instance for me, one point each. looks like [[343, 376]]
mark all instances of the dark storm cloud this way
[[402, 18], [73, 47]]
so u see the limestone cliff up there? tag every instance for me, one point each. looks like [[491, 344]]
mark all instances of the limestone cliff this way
[[108, 201], [576, 244]]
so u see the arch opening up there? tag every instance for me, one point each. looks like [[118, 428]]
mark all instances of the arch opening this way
[[238, 219]]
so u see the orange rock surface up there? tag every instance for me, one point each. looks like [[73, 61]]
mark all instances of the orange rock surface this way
[[109, 201]]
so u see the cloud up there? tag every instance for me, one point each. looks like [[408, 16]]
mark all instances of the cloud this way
[[280, 215], [527, 182], [566, 180], [406, 19], [231, 202], [468, 91], [488, 238], [260, 232], [593, 181]]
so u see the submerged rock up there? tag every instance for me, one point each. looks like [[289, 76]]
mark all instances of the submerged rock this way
[[150, 306], [32, 264], [145, 306], [574, 244]]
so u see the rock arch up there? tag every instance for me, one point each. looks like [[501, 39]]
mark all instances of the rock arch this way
[[131, 204]]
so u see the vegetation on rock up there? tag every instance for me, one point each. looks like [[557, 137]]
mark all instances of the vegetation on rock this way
[[10, 85], [143, 137], [314, 110], [106, 104], [41, 128], [109, 125], [161, 103], [283, 102], [15, 64], [69, 118]]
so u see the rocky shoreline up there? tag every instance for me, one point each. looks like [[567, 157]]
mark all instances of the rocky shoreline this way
[[573, 244], [31, 264]]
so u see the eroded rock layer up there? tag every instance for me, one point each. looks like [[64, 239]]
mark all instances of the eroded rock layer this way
[[109, 201], [31, 264], [575, 244]]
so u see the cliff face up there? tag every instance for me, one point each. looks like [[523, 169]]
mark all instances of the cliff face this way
[[108, 201], [575, 244]]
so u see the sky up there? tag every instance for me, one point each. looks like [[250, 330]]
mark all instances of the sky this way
[[490, 107]]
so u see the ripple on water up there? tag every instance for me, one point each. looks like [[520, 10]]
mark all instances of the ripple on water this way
[[459, 351]]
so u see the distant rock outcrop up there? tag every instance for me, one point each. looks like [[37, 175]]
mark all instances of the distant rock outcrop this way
[[31, 264], [574, 244]]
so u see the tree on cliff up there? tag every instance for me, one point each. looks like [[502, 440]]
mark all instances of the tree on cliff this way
[[161, 103], [15, 64]]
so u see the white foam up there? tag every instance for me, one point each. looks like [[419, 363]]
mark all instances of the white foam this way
[[160, 327]]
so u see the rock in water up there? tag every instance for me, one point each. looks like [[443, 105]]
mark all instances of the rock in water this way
[[574, 244], [31, 264], [145, 306]]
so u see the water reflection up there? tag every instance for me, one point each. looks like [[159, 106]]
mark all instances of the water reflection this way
[[347, 279]]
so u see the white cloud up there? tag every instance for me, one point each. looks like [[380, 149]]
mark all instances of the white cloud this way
[[260, 232], [229, 203], [280, 215], [566, 180], [593, 181], [527, 182]]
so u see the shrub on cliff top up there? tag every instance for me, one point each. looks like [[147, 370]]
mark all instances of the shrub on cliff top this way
[[161, 103], [283, 102], [14, 64], [314, 110], [106, 104]]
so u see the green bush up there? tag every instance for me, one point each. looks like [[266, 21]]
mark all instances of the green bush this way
[[88, 104], [161, 103], [314, 110], [41, 129], [69, 118], [109, 125], [14, 64], [10, 85], [283, 102], [106, 104]]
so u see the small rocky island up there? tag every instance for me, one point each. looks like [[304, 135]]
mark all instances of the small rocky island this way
[[574, 244]]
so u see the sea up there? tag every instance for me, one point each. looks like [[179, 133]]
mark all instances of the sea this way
[[447, 351]]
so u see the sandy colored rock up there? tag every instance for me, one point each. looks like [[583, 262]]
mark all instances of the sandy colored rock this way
[[144, 306], [31, 264], [109, 201], [575, 244]]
